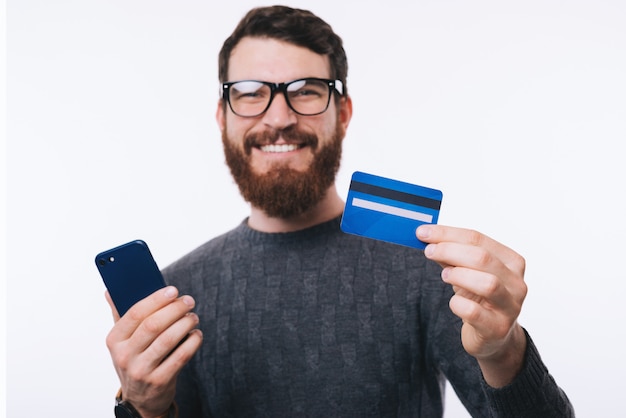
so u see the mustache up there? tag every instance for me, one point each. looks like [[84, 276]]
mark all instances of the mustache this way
[[291, 135]]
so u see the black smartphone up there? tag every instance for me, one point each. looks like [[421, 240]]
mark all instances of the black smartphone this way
[[129, 273]]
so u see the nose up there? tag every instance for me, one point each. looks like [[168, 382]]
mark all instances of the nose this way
[[279, 115]]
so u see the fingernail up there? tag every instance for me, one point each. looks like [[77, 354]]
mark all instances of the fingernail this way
[[188, 300], [170, 292], [423, 231], [429, 250]]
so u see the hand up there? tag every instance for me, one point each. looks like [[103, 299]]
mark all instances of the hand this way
[[489, 290], [141, 344]]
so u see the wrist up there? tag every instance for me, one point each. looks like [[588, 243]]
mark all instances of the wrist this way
[[501, 369], [124, 409]]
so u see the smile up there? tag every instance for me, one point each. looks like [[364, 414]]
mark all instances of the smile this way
[[279, 148]]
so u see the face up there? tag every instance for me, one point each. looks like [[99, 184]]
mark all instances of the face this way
[[283, 162]]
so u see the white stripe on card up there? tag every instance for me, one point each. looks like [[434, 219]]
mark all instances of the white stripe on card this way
[[391, 210]]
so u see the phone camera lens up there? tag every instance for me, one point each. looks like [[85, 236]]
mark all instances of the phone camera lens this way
[[102, 261]]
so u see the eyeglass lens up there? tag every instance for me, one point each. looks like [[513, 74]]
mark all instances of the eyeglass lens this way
[[307, 96]]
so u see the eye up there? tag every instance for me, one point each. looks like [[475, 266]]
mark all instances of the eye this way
[[306, 92], [248, 90], [310, 89]]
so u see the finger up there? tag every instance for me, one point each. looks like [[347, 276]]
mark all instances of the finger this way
[[432, 233], [116, 316], [477, 271], [469, 310], [179, 357], [129, 323], [485, 324], [489, 327], [157, 323], [171, 339], [471, 257], [483, 288]]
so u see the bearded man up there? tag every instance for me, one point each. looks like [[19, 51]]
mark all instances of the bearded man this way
[[287, 316]]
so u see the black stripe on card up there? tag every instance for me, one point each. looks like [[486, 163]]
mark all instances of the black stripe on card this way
[[425, 202]]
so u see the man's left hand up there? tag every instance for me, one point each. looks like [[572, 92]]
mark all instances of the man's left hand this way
[[489, 290]]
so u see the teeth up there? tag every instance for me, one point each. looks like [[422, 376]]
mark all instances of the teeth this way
[[279, 148]]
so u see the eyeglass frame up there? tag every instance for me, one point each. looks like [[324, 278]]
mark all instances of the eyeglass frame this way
[[333, 85]]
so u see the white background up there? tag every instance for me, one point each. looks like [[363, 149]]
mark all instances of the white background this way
[[516, 110]]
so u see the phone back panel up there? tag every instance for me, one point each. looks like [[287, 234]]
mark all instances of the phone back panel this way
[[130, 273]]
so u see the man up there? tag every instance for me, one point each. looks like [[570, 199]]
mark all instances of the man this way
[[293, 317]]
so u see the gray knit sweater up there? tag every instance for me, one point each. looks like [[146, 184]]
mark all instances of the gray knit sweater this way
[[318, 323]]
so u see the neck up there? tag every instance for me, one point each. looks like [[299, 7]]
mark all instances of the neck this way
[[328, 208]]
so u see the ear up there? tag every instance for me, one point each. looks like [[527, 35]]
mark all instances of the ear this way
[[220, 114], [345, 111]]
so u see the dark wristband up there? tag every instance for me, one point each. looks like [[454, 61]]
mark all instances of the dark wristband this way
[[124, 409]]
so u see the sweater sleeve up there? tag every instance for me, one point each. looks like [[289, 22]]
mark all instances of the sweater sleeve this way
[[533, 393], [189, 405]]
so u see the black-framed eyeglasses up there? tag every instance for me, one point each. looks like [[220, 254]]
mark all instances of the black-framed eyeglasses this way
[[305, 96]]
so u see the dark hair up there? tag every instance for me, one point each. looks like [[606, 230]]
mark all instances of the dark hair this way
[[295, 26]]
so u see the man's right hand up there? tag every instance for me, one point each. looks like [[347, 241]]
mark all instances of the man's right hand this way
[[141, 344]]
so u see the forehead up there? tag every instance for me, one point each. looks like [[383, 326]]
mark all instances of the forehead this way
[[276, 61]]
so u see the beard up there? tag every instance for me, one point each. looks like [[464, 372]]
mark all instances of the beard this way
[[283, 192]]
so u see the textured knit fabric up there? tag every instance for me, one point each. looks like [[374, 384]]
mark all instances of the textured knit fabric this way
[[318, 323]]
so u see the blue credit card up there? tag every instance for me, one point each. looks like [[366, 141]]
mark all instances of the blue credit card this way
[[389, 210]]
